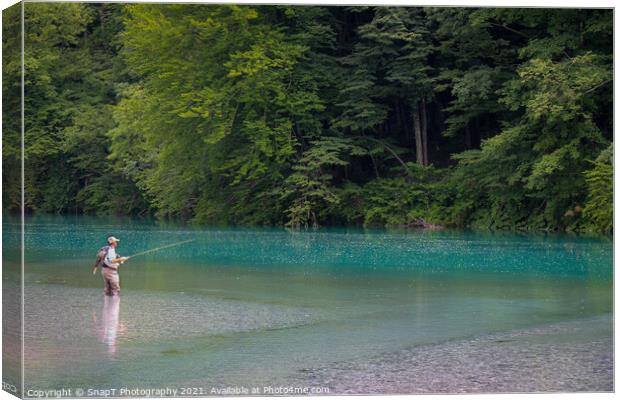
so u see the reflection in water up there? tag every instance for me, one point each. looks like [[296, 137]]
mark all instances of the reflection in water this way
[[110, 323]]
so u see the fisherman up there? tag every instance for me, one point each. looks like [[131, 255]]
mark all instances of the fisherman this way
[[110, 265]]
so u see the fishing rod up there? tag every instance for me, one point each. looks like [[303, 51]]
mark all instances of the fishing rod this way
[[158, 248], [146, 252]]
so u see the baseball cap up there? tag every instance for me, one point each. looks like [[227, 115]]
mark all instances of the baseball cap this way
[[113, 239]]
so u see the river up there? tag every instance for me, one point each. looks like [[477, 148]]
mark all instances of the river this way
[[335, 310]]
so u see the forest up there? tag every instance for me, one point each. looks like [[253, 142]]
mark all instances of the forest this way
[[308, 116]]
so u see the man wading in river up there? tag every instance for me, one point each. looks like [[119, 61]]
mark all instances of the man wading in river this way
[[110, 261]]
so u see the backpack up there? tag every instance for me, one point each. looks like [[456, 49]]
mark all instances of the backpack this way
[[101, 256]]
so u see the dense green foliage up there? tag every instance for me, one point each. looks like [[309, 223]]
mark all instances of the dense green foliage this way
[[70, 74], [308, 116]]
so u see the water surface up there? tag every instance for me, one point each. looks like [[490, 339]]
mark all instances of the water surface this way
[[247, 307]]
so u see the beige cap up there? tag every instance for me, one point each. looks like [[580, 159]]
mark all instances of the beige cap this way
[[113, 239]]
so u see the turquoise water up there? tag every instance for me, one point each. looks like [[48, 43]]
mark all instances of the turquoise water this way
[[242, 306]]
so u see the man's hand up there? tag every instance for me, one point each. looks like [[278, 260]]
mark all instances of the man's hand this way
[[95, 270], [123, 259]]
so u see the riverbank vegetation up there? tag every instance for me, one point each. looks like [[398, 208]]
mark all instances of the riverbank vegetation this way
[[310, 116]]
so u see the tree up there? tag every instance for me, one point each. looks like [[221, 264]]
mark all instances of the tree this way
[[310, 116], [599, 209], [389, 64], [530, 174]]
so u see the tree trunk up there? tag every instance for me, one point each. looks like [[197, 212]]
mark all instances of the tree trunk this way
[[374, 165], [424, 132], [417, 128], [468, 143], [420, 128]]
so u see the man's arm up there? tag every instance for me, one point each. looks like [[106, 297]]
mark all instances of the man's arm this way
[[113, 262]]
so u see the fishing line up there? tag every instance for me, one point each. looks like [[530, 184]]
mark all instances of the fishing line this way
[[160, 248]]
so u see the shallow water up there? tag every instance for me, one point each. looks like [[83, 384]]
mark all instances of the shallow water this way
[[265, 306]]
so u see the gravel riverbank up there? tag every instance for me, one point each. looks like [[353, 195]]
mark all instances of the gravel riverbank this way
[[570, 356]]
